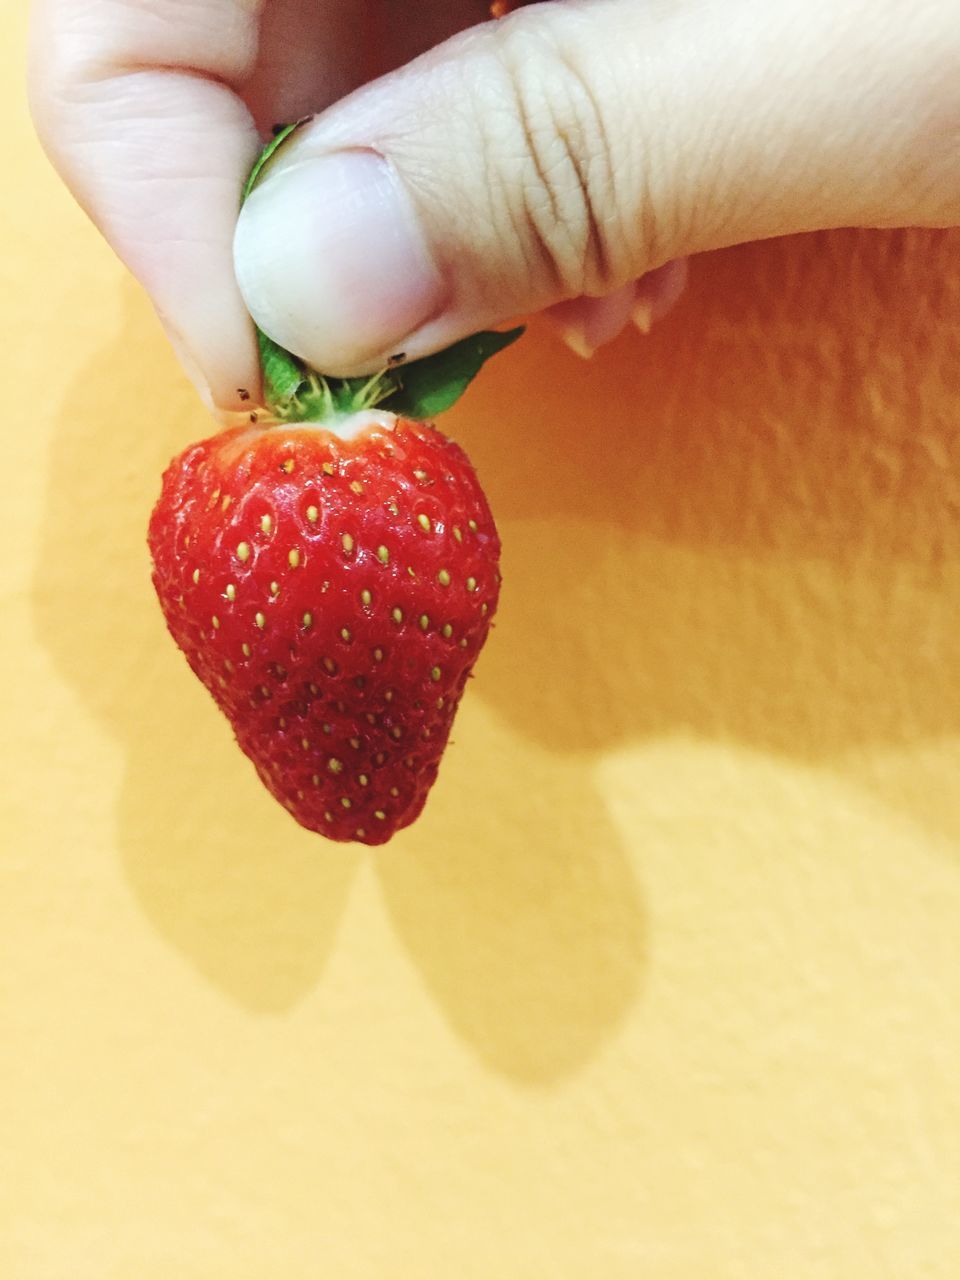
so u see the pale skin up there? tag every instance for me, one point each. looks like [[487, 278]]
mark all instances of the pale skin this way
[[566, 159]]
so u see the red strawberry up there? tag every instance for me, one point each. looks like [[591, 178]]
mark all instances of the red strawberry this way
[[332, 590], [330, 572]]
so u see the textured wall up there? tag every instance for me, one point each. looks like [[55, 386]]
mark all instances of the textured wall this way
[[667, 980]]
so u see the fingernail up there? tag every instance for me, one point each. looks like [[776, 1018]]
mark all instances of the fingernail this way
[[642, 315], [586, 324], [332, 262], [657, 293], [573, 336], [187, 362]]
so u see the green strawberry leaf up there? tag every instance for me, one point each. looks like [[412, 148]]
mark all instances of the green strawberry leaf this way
[[283, 374], [280, 134], [431, 385], [422, 389]]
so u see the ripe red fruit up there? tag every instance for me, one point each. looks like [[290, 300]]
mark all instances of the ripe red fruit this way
[[330, 572], [332, 588]]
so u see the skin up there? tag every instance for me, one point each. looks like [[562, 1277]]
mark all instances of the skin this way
[[591, 145]]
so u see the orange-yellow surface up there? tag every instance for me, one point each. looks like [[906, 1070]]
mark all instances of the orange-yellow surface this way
[[666, 982]]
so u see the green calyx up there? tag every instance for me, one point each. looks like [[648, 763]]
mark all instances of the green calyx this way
[[294, 392]]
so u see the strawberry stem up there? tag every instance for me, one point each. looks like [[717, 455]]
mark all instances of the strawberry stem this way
[[295, 392]]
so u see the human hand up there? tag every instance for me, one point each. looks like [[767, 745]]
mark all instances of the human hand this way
[[545, 161]]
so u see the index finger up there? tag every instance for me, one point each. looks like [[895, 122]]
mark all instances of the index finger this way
[[136, 103]]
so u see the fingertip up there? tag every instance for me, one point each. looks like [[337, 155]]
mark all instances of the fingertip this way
[[587, 324], [658, 292], [331, 261]]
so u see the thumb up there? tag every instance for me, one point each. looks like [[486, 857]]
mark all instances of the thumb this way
[[572, 147]]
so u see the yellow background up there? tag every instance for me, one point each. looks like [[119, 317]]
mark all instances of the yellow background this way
[[666, 982]]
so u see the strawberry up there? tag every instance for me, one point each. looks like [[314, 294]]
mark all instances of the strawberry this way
[[330, 571], [332, 591]]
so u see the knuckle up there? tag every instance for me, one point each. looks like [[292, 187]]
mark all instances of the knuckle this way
[[915, 129], [929, 104], [568, 195], [937, 149], [62, 59]]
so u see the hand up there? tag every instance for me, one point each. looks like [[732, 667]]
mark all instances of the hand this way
[[547, 160]]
